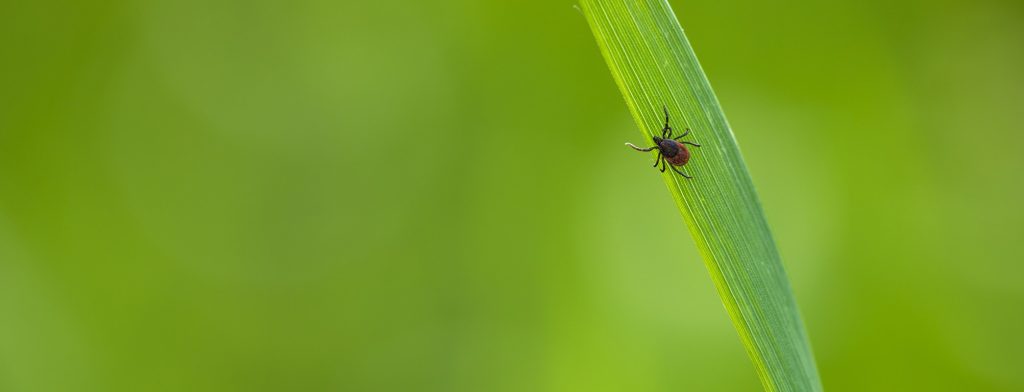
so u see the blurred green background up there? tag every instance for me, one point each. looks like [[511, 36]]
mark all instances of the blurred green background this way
[[434, 196]]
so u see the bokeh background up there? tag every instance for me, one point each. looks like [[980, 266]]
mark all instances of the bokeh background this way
[[434, 196]]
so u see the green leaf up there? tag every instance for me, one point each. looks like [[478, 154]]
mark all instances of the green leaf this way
[[653, 64]]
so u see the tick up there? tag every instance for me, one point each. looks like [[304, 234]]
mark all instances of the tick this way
[[670, 149]]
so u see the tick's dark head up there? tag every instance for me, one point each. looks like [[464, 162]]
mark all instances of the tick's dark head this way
[[668, 147]]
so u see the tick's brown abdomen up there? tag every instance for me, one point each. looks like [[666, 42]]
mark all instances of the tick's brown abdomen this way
[[681, 157]]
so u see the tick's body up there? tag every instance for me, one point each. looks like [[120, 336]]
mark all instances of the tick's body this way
[[674, 152], [670, 149]]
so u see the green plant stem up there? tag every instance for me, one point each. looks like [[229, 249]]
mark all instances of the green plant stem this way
[[653, 64]]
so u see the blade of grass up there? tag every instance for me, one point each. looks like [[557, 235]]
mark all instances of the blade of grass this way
[[653, 64]]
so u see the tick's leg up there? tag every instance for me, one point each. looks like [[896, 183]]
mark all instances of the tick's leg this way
[[666, 131], [692, 144], [657, 159], [686, 132], [663, 165], [641, 149], [681, 173]]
